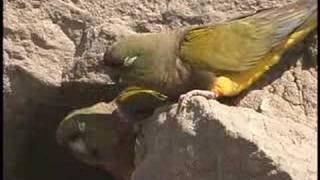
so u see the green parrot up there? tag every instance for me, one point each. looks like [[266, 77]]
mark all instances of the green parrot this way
[[103, 135], [214, 60]]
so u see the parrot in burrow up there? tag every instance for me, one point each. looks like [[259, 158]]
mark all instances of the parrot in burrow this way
[[103, 135], [213, 60]]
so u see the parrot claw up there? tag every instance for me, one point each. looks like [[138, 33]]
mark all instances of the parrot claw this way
[[185, 98]]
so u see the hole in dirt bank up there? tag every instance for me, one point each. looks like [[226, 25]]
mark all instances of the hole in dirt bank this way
[[32, 113]]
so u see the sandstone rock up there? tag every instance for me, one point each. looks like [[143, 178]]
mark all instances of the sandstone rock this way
[[52, 53], [36, 52], [290, 88], [210, 140]]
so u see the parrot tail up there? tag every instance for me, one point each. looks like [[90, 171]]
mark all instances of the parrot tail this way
[[298, 16], [309, 24]]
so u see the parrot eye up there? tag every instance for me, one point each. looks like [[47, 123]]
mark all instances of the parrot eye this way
[[82, 127], [128, 61]]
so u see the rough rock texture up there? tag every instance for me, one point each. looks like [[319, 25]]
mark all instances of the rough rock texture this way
[[290, 88], [210, 140], [52, 64]]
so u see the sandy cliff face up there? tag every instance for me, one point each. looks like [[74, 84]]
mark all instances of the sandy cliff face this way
[[52, 64]]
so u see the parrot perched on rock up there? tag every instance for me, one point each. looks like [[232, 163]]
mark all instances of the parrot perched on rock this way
[[213, 60]]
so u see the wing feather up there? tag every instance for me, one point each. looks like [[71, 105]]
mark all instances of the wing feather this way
[[240, 44]]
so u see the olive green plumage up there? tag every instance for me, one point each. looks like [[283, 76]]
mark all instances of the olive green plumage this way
[[91, 134], [224, 58], [136, 103], [104, 132]]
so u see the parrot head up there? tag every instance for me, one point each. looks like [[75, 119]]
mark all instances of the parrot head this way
[[120, 55], [150, 61], [144, 60], [95, 138], [129, 59], [82, 138]]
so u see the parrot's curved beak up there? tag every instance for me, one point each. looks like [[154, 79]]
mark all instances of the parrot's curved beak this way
[[110, 60], [115, 76], [112, 65], [107, 57]]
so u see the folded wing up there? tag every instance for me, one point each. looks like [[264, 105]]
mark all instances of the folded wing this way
[[240, 44]]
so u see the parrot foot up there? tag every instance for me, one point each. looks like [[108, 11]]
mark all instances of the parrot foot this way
[[185, 98]]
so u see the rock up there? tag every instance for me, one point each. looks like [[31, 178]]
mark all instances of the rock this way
[[37, 50], [290, 88], [210, 140], [52, 65]]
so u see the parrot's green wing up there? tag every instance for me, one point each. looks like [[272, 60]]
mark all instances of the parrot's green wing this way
[[240, 44], [140, 100]]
